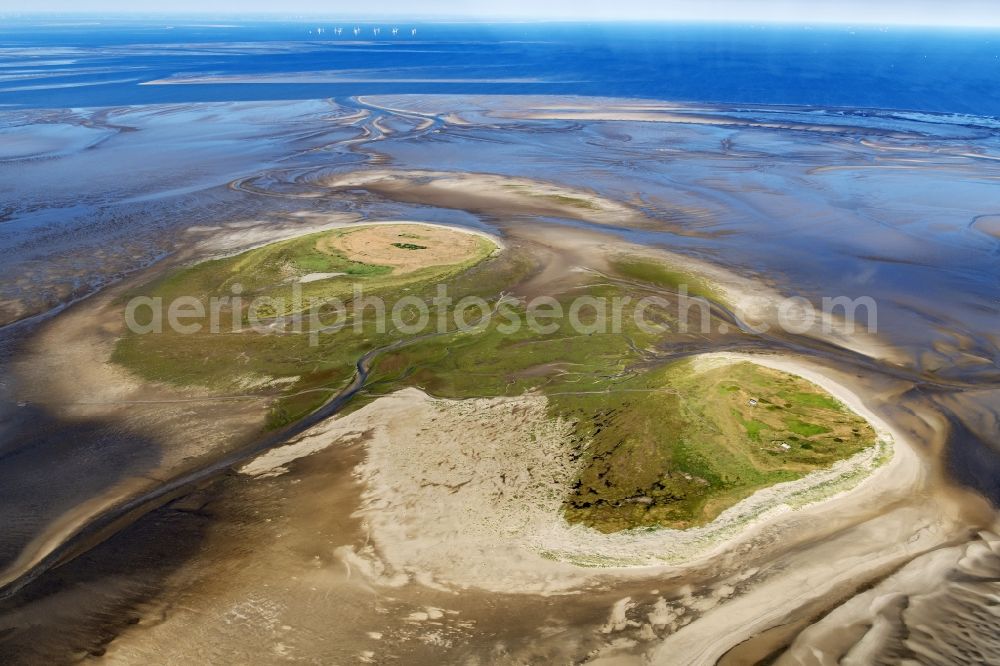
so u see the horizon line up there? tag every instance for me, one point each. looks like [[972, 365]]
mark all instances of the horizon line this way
[[443, 18]]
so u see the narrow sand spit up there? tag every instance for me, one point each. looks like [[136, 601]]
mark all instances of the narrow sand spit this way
[[492, 193], [468, 493], [757, 306], [761, 308], [518, 108], [665, 115]]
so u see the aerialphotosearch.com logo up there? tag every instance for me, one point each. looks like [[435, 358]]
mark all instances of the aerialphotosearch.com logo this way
[[441, 313]]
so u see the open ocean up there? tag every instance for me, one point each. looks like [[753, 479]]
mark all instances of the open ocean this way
[[85, 62]]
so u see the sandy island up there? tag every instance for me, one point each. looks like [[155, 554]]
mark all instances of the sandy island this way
[[468, 493]]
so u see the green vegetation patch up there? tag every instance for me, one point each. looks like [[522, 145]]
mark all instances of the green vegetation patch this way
[[495, 362], [409, 246], [575, 202], [561, 199], [674, 447], [660, 275]]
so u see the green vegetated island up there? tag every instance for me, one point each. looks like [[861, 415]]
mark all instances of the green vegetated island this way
[[659, 443]]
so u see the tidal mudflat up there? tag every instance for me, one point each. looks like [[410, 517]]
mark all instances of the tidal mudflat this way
[[734, 476]]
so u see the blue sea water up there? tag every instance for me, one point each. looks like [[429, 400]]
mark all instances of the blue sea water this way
[[83, 62]]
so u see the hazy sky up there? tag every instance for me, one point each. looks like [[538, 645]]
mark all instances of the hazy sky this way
[[887, 12]]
